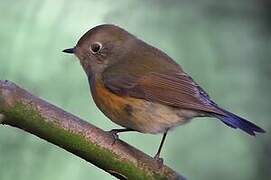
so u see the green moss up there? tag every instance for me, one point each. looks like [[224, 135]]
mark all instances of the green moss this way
[[29, 119]]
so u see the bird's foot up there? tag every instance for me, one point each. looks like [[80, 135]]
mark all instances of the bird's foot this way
[[159, 160], [115, 132], [115, 135]]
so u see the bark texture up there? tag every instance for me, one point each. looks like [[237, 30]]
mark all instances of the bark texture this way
[[21, 109]]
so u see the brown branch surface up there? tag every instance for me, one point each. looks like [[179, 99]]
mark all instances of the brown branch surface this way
[[19, 108]]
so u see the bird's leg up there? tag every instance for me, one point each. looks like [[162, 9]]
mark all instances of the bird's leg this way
[[157, 155], [115, 132]]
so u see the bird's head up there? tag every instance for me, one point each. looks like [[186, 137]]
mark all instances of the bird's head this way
[[101, 47]]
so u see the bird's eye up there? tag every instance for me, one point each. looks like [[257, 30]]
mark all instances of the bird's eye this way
[[95, 47]]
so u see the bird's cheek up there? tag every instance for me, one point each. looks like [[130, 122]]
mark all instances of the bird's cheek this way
[[99, 60], [85, 64]]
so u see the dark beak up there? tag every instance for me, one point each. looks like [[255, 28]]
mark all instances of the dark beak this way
[[70, 50]]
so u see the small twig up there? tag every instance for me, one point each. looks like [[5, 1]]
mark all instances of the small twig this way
[[21, 109]]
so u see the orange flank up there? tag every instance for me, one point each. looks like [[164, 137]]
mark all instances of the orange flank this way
[[143, 116], [117, 108]]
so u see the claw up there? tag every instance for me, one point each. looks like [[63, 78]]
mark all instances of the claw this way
[[114, 135], [159, 160]]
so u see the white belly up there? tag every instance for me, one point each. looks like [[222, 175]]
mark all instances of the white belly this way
[[157, 118]]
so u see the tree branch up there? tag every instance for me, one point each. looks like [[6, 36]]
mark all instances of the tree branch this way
[[19, 108]]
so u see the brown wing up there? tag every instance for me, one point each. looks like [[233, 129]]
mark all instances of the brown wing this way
[[147, 73], [175, 89]]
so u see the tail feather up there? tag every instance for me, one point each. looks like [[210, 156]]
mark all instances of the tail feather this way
[[235, 121]]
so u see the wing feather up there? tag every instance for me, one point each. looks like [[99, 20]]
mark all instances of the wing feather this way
[[175, 89]]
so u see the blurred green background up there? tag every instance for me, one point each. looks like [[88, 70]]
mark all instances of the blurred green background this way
[[224, 45]]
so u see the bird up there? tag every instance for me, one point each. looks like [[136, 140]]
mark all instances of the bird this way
[[141, 88]]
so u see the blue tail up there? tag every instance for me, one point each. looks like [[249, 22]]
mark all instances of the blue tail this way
[[235, 121]]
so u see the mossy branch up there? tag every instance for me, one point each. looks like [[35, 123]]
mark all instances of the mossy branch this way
[[19, 108]]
